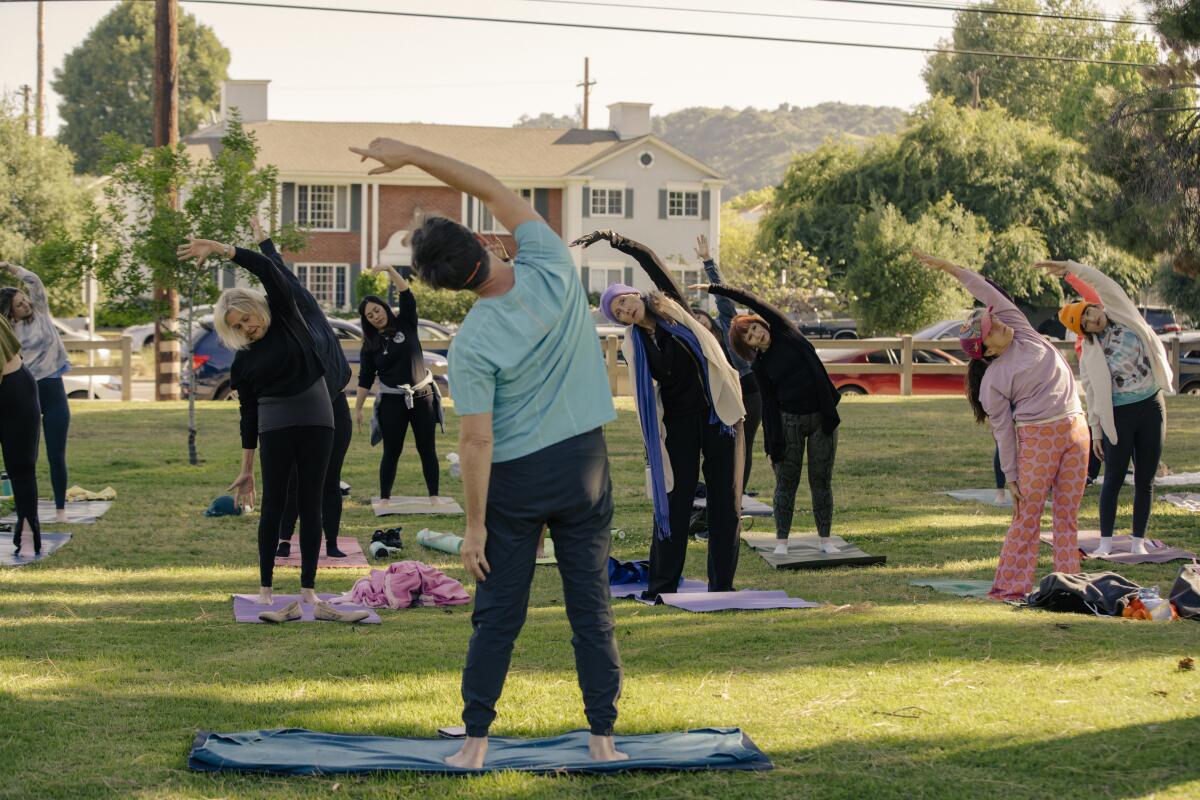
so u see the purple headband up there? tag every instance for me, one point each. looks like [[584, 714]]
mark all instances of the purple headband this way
[[610, 294]]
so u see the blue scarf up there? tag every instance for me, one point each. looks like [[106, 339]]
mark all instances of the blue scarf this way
[[648, 416]]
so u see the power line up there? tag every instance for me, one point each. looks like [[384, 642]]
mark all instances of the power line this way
[[1000, 11], [670, 32]]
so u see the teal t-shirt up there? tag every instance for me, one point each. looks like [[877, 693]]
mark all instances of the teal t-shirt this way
[[532, 357]]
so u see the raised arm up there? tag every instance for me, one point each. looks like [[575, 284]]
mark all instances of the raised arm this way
[[506, 206], [645, 257], [773, 316], [281, 293], [726, 310], [33, 286], [406, 301], [1084, 288]]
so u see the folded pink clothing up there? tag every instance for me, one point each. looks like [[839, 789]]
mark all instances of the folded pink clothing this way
[[407, 583]]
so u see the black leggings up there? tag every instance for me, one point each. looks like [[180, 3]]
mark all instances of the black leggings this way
[[1141, 434], [689, 436], [56, 420], [304, 448], [394, 419], [331, 505], [19, 417], [753, 403]]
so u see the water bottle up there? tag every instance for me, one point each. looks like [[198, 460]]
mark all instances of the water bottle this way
[[455, 467], [1158, 608]]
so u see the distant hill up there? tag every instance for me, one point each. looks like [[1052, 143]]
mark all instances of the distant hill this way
[[754, 146]]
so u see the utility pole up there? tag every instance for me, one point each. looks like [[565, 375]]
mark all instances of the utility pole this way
[[587, 85], [975, 76], [41, 69], [25, 106], [166, 134]]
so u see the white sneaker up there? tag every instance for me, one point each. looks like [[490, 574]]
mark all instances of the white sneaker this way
[[1105, 547], [781, 548], [1139, 546], [829, 547]]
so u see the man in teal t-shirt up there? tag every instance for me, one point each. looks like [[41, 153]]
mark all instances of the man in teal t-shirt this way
[[529, 385]]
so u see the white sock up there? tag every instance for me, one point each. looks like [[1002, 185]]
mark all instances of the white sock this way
[[1139, 546], [1105, 546], [828, 547], [781, 547]]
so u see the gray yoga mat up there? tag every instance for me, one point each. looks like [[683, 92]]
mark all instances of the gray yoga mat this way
[[985, 496], [414, 505], [751, 506], [960, 588], [1188, 501], [694, 596], [246, 609], [78, 513], [51, 542], [295, 751], [1175, 479], [804, 552], [1122, 544]]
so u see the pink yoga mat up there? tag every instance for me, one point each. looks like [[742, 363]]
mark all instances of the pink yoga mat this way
[[1158, 553], [247, 609], [347, 544]]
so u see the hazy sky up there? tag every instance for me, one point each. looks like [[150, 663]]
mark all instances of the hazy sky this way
[[337, 66]]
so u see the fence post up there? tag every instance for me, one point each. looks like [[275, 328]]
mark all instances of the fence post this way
[[906, 365], [1175, 378], [610, 362], [126, 368]]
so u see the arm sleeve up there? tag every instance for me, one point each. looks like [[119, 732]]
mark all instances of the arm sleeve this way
[[34, 288], [989, 295], [726, 310], [1084, 288], [1109, 291], [538, 246], [406, 307], [653, 267], [367, 370], [774, 317], [1004, 429], [473, 379], [248, 406], [281, 292]]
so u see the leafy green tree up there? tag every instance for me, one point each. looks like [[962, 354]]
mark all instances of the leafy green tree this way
[[1069, 96], [40, 203], [107, 82]]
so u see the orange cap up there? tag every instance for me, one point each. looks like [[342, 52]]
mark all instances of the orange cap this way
[[1071, 315]]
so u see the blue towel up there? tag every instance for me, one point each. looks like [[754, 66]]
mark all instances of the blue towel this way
[[295, 751], [620, 572]]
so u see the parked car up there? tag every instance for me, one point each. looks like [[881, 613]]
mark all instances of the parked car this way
[[1161, 319], [103, 387], [143, 335], [70, 334], [829, 329], [1189, 360], [212, 359], [852, 383]]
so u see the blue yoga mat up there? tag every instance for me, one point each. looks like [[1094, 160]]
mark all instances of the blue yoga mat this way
[[295, 751]]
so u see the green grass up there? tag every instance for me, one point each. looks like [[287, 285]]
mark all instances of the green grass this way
[[114, 652]]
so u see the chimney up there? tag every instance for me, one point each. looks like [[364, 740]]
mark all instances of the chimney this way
[[248, 97], [629, 120]]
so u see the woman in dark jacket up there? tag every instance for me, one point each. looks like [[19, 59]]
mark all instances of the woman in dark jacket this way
[[799, 406]]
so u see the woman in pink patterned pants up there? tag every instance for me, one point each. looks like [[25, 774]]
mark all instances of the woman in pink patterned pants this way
[[1020, 383]]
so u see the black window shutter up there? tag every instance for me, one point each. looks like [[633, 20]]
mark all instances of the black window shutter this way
[[541, 202], [629, 204], [584, 275], [287, 212], [705, 202], [628, 280], [470, 212], [356, 194], [662, 203], [587, 201]]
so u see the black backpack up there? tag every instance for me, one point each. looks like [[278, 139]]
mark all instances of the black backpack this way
[[1099, 593], [1185, 594]]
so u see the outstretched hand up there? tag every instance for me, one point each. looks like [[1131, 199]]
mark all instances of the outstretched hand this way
[[257, 229], [1053, 267], [702, 251], [200, 250], [589, 239], [933, 262], [392, 154], [700, 287]]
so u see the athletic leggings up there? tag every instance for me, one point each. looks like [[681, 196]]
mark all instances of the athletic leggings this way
[[56, 420], [753, 403], [1050, 457], [331, 500], [304, 448], [688, 437], [394, 420], [19, 412], [1141, 434], [801, 431]]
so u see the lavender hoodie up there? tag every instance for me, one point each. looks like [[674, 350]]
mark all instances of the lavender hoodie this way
[[1029, 381]]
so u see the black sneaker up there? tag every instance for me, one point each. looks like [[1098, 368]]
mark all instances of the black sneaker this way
[[284, 550]]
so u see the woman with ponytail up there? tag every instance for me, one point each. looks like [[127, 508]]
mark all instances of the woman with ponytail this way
[[1022, 385], [689, 401]]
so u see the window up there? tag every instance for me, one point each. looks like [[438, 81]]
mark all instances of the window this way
[[683, 204], [608, 202], [689, 277], [600, 278], [880, 357], [483, 219], [328, 283], [322, 207], [646, 159]]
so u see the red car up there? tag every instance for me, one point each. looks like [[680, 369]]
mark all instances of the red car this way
[[883, 383]]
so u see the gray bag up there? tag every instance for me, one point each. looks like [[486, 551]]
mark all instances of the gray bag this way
[[1099, 593]]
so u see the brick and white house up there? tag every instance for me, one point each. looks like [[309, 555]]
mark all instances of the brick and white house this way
[[623, 178]]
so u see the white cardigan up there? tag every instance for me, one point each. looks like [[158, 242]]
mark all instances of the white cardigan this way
[[723, 382], [1093, 368]]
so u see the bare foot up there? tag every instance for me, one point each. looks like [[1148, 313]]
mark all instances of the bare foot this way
[[265, 596], [309, 596], [601, 748], [60, 515], [471, 755]]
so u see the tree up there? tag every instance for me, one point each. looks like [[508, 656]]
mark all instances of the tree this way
[[139, 229], [40, 202], [548, 119], [1069, 96], [107, 82]]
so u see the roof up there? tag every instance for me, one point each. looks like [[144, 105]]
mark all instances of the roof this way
[[322, 147]]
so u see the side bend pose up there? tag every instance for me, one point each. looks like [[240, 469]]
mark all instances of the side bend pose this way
[[46, 359], [285, 407], [689, 402], [799, 409], [532, 393], [407, 393], [337, 375], [19, 414], [719, 327], [1125, 372], [1020, 382]]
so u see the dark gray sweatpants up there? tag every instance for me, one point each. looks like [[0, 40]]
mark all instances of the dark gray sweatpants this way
[[565, 486]]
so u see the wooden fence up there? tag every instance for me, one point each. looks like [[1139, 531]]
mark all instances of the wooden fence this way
[[125, 368]]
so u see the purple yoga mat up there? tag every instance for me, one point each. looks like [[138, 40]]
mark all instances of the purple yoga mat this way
[[1122, 544], [745, 600], [247, 609], [347, 544], [633, 591]]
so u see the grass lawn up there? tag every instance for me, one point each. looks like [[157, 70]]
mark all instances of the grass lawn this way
[[114, 652]]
